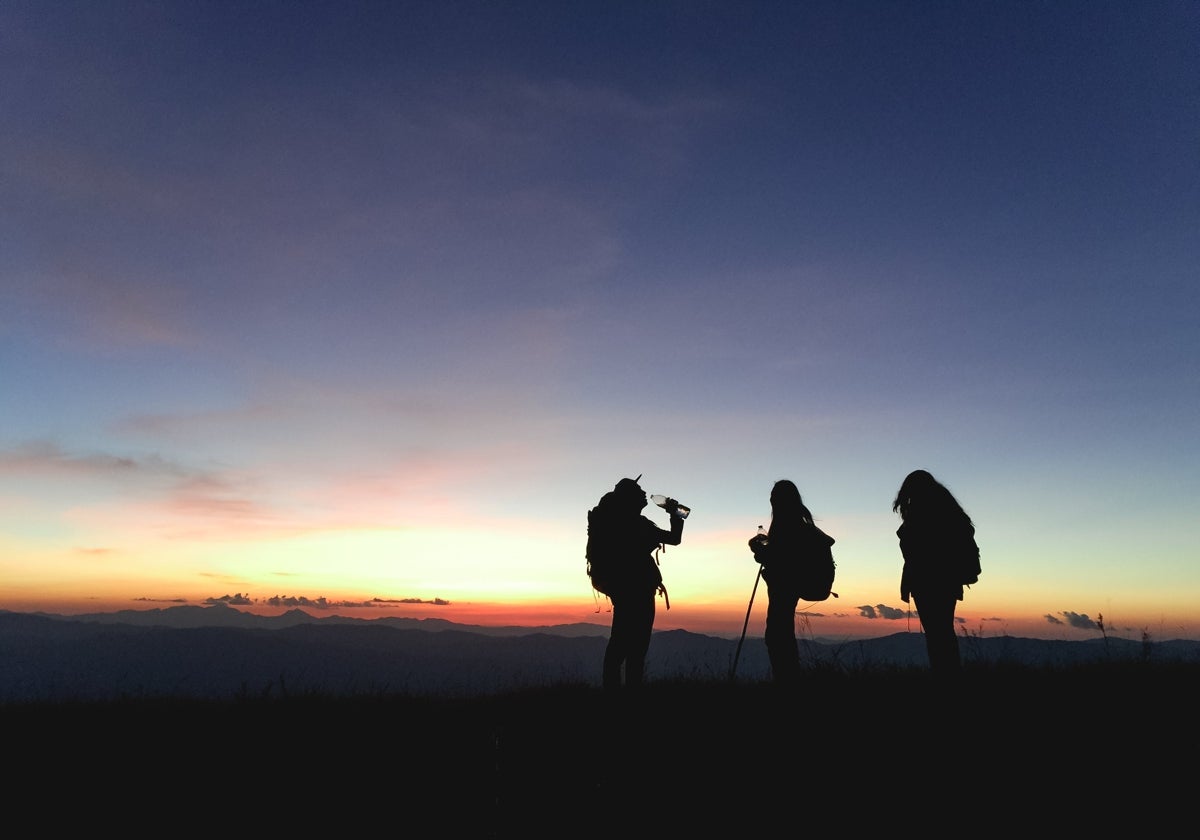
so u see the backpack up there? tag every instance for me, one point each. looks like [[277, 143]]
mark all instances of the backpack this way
[[602, 556], [969, 569], [816, 572], [614, 552]]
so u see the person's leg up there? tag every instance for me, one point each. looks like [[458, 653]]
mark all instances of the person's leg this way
[[617, 649], [780, 637], [641, 626], [936, 613]]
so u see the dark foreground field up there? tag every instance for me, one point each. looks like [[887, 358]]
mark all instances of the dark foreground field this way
[[1003, 749]]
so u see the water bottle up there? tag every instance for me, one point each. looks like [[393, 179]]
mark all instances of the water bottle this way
[[661, 501], [762, 535]]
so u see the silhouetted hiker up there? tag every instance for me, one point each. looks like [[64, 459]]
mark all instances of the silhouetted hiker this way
[[622, 563], [792, 535], [937, 540]]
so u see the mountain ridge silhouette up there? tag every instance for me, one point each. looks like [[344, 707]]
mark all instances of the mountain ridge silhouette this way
[[223, 653]]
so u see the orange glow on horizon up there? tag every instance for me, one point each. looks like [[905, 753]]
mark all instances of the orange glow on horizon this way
[[826, 621]]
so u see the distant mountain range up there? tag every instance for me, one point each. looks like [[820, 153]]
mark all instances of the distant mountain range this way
[[223, 615], [219, 652]]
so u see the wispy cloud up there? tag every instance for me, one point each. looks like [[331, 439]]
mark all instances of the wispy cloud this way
[[36, 458]]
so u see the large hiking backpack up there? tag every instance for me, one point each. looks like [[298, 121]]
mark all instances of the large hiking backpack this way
[[617, 553], [602, 553]]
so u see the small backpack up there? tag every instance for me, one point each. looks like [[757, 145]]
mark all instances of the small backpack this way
[[969, 568], [817, 570]]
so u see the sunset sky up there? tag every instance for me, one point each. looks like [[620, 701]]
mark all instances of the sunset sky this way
[[360, 306]]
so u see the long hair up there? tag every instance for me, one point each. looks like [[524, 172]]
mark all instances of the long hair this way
[[786, 504], [924, 495]]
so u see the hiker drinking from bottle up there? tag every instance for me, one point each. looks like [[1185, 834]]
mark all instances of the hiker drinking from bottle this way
[[623, 566], [787, 545]]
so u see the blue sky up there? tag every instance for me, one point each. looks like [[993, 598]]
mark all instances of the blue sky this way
[[371, 301]]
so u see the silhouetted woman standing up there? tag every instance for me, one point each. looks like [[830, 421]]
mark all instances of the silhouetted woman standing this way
[[937, 540], [791, 536]]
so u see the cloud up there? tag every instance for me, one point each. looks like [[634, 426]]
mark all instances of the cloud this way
[[215, 495], [299, 601], [881, 611], [200, 501], [323, 603], [213, 502], [41, 457], [166, 497], [239, 600], [1080, 621], [437, 602]]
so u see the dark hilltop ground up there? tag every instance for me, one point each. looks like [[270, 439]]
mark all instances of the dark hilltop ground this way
[[1002, 749]]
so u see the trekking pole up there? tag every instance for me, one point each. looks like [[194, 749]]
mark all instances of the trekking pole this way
[[738, 652]]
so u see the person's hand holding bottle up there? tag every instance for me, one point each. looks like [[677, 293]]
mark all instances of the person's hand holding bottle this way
[[758, 543], [671, 506]]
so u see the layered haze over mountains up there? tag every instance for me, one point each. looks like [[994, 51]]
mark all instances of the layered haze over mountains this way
[[221, 653]]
